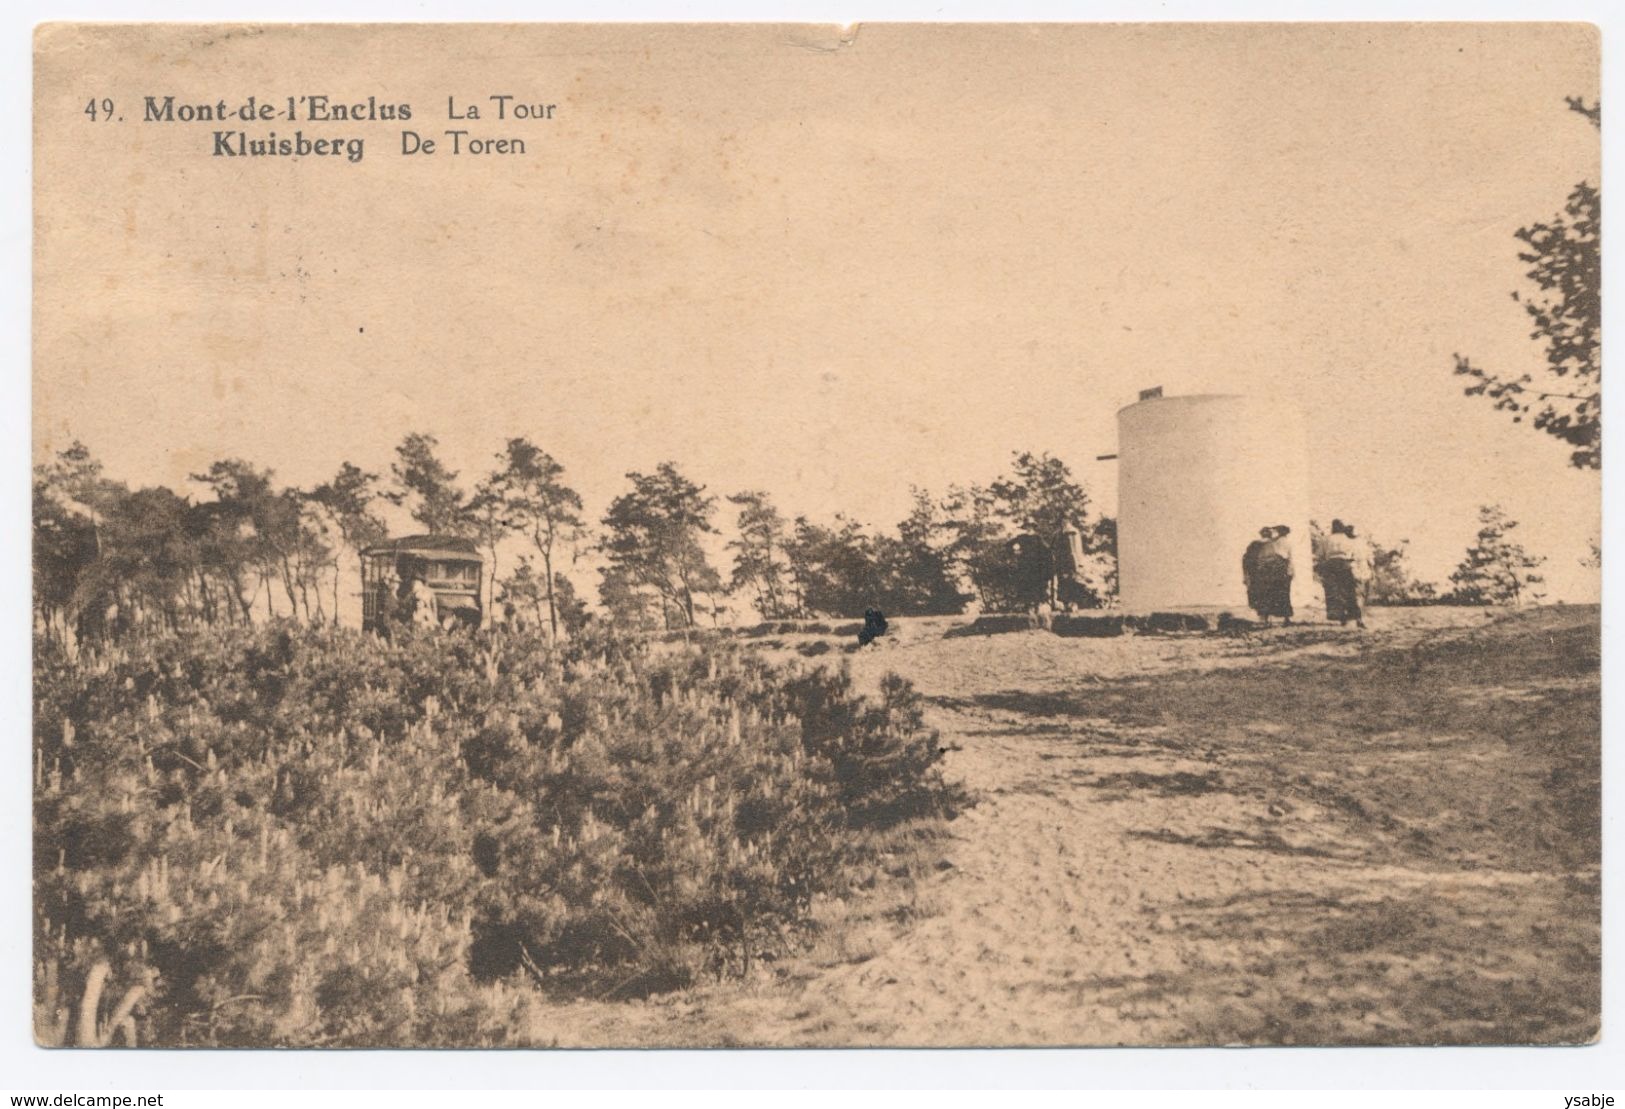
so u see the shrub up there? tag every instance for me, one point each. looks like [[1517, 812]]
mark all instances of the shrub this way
[[303, 836]]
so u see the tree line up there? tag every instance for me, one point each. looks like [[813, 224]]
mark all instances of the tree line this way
[[1495, 569], [109, 558]]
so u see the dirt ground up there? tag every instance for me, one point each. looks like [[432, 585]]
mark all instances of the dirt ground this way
[[1297, 836]]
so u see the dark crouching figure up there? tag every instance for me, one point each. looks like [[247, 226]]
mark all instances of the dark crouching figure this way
[[874, 626]]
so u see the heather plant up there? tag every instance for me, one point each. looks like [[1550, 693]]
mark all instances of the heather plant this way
[[307, 835]]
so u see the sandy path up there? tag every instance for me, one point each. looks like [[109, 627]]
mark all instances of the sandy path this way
[[1126, 883], [1036, 919], [1059, 922]]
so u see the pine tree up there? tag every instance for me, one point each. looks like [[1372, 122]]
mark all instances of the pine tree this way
[[759, 554], [539, 505], [920, 567], [350, 500], [438, 504], [652, 539], [1392, 581], [1496, 569], [1010, 537]]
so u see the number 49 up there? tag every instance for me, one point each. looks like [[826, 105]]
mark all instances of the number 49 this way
[[99, 109]]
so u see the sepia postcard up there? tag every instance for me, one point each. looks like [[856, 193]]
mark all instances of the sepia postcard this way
[[769, 535]]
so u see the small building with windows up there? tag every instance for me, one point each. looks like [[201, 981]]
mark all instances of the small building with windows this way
[[450, 569]]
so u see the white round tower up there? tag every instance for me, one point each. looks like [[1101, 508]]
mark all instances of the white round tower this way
[[1198, 477]]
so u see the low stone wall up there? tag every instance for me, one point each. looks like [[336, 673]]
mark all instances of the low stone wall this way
[[1075, 626], [1104, 625], [802, 627], [1165, 622], [1004, 622]]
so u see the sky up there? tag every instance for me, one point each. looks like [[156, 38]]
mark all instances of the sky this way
[[831, 267]]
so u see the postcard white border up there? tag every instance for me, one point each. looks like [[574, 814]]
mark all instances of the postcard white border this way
[[23, 1066]]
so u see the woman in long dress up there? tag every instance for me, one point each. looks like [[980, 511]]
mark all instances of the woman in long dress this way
[[1342, 571], [1269, 585], [1249, 570]]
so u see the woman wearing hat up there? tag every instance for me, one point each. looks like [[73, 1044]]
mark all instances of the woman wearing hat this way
[[1269, 588], [1344, 567]]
